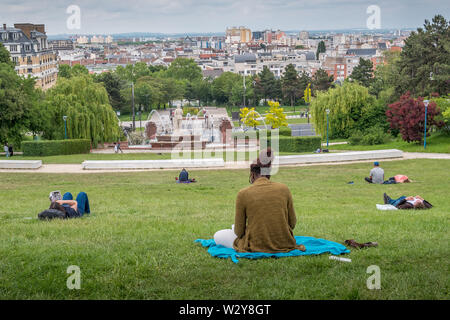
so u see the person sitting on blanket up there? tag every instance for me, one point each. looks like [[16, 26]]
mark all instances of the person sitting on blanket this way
[[265, 215], [411, 202], [184, 177], [72, 208]]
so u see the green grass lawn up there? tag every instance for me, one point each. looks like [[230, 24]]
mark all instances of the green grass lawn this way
[[438, 143], [138, 241]]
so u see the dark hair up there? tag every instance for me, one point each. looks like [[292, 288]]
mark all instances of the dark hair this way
[[263, 163], [57, 206]]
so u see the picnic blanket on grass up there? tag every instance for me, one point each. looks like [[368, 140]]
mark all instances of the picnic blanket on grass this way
[[312, 245]]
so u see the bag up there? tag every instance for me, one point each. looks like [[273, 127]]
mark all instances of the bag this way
[[50, 214]]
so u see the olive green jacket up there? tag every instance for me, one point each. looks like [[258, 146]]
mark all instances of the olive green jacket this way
[[265, 218]]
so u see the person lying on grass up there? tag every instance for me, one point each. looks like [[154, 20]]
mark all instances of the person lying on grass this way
[[265, 215], [67, 207], [404, 202]]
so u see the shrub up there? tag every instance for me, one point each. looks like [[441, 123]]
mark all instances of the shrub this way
[[372, 136], [408, 116], [298, 144], [56, 147]]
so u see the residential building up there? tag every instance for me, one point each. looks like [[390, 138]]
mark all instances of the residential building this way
[[29, 50]]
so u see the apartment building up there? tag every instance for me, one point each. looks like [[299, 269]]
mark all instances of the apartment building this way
[[29, 50], [236, 35]]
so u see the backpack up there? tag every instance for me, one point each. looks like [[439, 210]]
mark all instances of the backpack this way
[[50, 214]]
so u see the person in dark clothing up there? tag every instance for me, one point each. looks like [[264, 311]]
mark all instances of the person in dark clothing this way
[[184, 177], [72, 208], [10, 149]]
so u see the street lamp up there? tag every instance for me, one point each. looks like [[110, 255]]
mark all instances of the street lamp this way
[[65, 126], [328, 112], [425, 102]]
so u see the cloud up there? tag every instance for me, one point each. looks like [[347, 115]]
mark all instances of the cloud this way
[[114, 16]]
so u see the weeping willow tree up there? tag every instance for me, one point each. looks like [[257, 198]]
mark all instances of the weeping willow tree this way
[[86, 105], [346, 103]]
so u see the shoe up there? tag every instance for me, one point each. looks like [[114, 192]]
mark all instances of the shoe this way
[[386, 198]]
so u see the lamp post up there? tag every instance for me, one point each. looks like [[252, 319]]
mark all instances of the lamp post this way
[[425, 102], [328, 112], [65, 126], [132, 105]]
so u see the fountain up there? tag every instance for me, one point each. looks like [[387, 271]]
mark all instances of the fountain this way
[[164, 132]]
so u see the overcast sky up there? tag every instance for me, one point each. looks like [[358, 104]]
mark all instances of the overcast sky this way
[[179, 16]]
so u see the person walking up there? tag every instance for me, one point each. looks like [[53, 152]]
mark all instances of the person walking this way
[[10, 149], [6, 149], [119, 148]]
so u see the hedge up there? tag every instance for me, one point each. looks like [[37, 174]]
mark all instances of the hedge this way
[[55, 147], [283, 131], [298, 144]]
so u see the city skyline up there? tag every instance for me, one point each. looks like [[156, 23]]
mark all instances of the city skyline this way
[[201, 16]]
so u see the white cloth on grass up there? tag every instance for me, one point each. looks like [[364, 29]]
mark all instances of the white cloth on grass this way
[[386, 207]]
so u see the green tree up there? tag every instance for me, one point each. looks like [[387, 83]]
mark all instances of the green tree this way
[[266, 85], [86, 104], [5, 57], [321, 48], [346, 104], [203, 91], [363, 72], [16, 104], [321, 80], [424, 66], [113, 85], [386, 77], [184, 69], [291, 85], [222, 86]]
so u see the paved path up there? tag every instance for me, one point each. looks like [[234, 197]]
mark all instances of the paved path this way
[[76, 168]]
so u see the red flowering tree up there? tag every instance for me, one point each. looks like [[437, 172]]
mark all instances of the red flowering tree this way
[[408, 116]]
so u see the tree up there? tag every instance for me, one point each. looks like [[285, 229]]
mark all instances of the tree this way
[[408, 116], [320, 49], [363, 72], [172, 89], [386, 77], [5, 57], [184, 69], [266, 84], [64, 71], [249, 117], [304, 81], [443, 103], [275, 117], [321, 80], [222, 86], [86, 105], [346, 104], [132, 72], [424, 66], [113, 85], [15, 104], [290, 83], [202, 91], [19, 109]]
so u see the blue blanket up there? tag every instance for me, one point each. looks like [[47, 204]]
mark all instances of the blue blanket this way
[[312, 245]]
